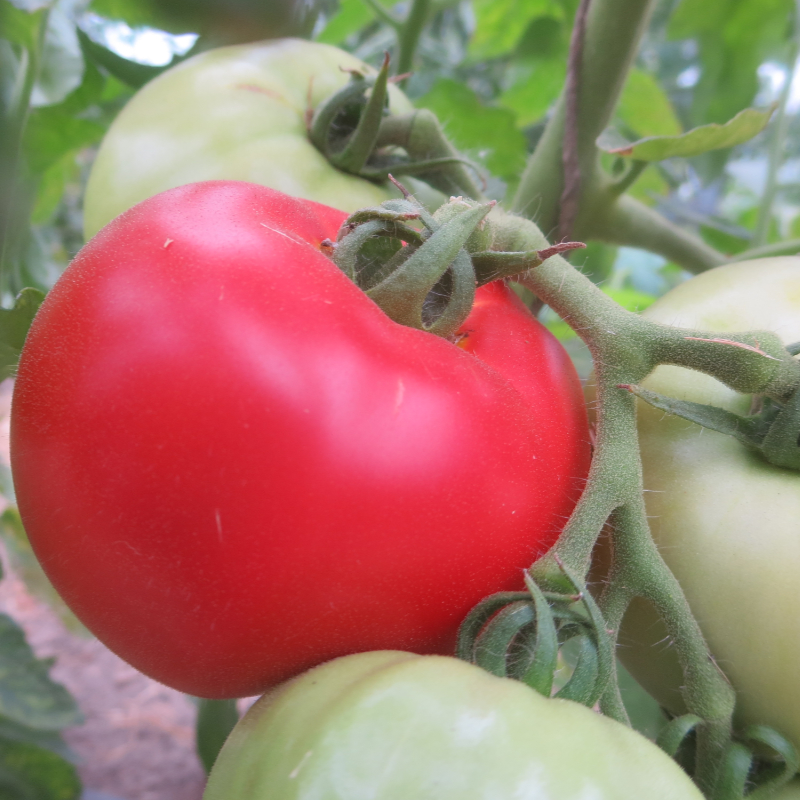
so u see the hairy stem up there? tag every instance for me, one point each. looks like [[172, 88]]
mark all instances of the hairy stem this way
[[614, 29]]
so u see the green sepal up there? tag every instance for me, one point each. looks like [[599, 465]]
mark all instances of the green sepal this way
[[27, 694], [732, 779], [542, 644], [421, 279], [477, 618], [403, 295], [215, 721], [351, 151], [492, 644], [675, 732], [584, 684], [782, 769], [490, 265], [597, 627], [14, 325], [781, 445], [775, 432]]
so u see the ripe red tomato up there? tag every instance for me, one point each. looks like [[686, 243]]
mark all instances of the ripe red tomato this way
[[234, 466]]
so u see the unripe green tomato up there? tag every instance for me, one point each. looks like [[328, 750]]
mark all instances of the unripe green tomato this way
[[395, 726], [725, 520], [235, 113]]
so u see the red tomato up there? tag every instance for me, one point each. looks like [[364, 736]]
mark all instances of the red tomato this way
[[234, 466]]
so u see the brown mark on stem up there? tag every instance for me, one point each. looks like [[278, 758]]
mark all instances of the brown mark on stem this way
[[570, 196]]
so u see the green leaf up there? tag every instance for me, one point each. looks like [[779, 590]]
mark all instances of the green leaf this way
[[500, 24], [734, 38], [645, 108], [14, 324], [743, 127], [630, 299], [135, 13], [27, 694], [131, 73], [488, 133], [53, 132], [535, 86], [26, 565], [61, 67], [350, 18], [215, 720], [11, 731], [28, 772], [18, 26], [51, 187]]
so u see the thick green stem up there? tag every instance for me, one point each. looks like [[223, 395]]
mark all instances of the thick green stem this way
[[629, 223], [614, 29], [626, 348], [410, 32]]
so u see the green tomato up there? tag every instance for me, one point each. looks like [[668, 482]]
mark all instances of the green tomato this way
[[395, 726], [725, 520], [235, 113]]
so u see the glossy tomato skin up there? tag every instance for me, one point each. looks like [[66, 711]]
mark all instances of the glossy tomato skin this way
[[725, 520], [234, 113], [233, 465], [396, 726]]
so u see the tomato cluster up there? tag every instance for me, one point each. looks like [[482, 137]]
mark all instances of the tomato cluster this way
[[234, 467]]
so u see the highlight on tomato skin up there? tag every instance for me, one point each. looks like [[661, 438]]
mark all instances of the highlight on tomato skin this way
[[234, 466]]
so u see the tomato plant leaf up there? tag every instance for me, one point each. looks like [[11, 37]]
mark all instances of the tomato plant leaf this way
[[11, 731], [14, 324], [28, 772], [215, 720], [19, 26], [61, 67], [488, 133], [501, 24], [351, 17], [52, 132], [27, 693], [131, 73], [743, 127], [645, 107]]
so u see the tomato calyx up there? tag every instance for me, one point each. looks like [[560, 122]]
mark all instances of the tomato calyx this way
[[353, 130], [518, 635], [425, 277], [774, 432]]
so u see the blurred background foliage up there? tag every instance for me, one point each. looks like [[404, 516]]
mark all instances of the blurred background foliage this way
[[490, 69]]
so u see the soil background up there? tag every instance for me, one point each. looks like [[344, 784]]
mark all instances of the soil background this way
[[137, 740]]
